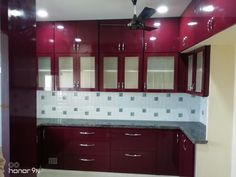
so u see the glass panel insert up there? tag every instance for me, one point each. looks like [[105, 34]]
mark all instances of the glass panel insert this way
[[66, 72], [190, 72], [44, 73], [131, 72], [199, 72], [87, 72], [110, 72]]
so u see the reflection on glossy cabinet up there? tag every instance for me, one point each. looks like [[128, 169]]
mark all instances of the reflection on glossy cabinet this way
[[160, 72], [120, 72]]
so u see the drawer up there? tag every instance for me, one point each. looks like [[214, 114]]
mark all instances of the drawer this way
[[133, 139], [87, 147], [86, 162], [133, 162], [95, 134]]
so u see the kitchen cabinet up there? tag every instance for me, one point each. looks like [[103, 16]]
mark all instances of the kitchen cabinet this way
[[125, 150], [121, 72], [198, 62], [163, 39], [186, 156], [53, 147], [119, 39], [160, 72]]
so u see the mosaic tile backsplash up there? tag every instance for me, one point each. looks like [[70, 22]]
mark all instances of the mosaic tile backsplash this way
[[121, 106]]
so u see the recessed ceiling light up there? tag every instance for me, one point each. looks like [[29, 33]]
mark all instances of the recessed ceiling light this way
[[152, 38], [42, 13], [157, 24], [60, 27], [192, 23], [209, 8], [162, 9], [15, 13], [78, 39]]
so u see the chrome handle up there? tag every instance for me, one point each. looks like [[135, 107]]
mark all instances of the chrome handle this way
[[123, 47], [119, 45], [177, 138], [122, 85], [74, 47], [77, 84], [87, 133], [87, 160], [133, 155], [133, 134], [210, 24], [87, 145], [145, 85], [184, 145], [184, 40], [145, 46], [77, 46], [44, 134], [118, 85]]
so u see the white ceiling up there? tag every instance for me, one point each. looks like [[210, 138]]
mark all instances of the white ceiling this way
[[60, 10]]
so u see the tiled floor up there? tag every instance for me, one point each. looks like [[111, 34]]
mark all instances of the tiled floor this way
[[64, 173]]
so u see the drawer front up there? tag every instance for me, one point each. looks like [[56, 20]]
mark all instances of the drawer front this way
[[133, 162], [87, 147], [86, 162], [95, 134], [133, 139]]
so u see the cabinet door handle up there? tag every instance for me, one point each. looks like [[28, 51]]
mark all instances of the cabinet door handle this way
[[177, 138], [87, 145], [184, 41], [77, 84], [145, 85], [87, 160], [133, 155], [118, 85], [44, 134], [122, 85], [119, 45], [87, 133], [145, 46], [123, 47], [77, 47], [133, 134], [74, 47]]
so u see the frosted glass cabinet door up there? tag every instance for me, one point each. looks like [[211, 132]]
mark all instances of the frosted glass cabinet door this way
[[110, 72], [160, 72], [44, 73], [66, 72], [131, 73], [190, 72], [199, 72], [87, 72]]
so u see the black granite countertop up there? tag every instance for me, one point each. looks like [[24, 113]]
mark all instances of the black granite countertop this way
[[195, 131]]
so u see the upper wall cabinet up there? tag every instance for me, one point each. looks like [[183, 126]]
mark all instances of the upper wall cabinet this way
[[164, 38], [115, 38], [204, 18], [76, 37], [45, 38]]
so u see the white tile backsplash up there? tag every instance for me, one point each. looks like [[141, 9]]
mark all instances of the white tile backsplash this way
[[122, 106]]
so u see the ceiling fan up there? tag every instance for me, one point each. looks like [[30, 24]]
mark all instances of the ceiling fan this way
[[137, 23]]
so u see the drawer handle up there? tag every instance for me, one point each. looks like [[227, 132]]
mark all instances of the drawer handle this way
[[133, 134], [87, 145], [87, 133], [133, 155], [87, 160]]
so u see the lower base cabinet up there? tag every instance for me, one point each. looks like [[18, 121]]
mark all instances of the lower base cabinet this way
[[129, 150]]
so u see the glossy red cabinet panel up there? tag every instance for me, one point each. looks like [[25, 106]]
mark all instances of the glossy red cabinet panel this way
[[164, 38], [167, 152], [45, 38], [65, 34], [129, 139], [186, 156], [133, 161]]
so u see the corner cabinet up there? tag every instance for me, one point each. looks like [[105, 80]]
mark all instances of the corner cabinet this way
[[198, 66]]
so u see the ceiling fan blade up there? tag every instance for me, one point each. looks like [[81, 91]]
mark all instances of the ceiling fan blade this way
[[149, 28], [146, 13]]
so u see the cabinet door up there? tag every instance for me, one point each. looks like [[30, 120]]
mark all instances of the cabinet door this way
[[45, 38], [66, 77], [186, 157], [45, 74], [87, 37], [131, 73], [199, 72], [159, 73], [53, 147], [110, 79], [65, 35], [164, 38], [87, 72], [167, 152], [190, 62]]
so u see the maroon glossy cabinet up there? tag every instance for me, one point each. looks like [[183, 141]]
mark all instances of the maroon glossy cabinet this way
[[198, 66], [167, 152], [165, 38], [186, 156], [117, 39], [53, 147], [133, 151]]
